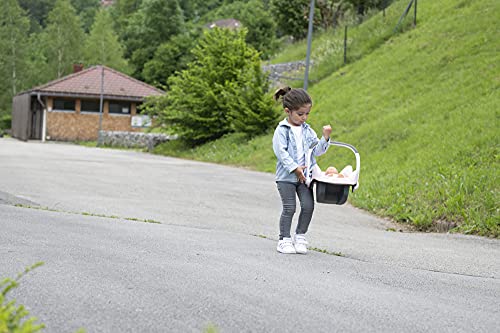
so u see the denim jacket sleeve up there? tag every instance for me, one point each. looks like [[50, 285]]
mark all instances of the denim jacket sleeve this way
[[280, 147], [321, 147]]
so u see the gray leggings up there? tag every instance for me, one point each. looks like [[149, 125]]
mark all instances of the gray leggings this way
[[287, 192]]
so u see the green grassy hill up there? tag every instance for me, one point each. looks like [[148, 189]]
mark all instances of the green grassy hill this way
[[423, 109]]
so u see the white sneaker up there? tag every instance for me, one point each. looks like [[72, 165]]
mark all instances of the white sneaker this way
[[300, 243], [285, 245]]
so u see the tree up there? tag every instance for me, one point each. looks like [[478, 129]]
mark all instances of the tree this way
[[102, 46], [221, 91], [38, 11], [169, 58], [291, 17], [14, 27], [87, 10], [195, 9], [256, 18], [333, 11], [361, 7], [37, 68], [121, 12], [154, 23], [127, 7], [64, 39]]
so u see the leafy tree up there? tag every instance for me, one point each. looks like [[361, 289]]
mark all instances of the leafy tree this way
[[64, 38], [102, 45], [221, 91], [154, 23], [256, 18], [291, 17], [169, 58], [38, 12], [37, 69], [127, 7], [363, 5], [121, 12], [195, 9], [14, 27], [359, 8], [331, 12], [87, 10]]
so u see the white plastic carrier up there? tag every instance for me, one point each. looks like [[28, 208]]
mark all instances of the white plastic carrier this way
[[332, 190]]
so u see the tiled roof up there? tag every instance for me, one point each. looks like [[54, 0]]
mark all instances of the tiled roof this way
[[107, 3], [225, 23], [88, 82]]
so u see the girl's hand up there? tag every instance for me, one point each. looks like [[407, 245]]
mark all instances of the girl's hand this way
[[299, 172], [327, 130]]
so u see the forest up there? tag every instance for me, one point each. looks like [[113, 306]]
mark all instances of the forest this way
[[151, 40]]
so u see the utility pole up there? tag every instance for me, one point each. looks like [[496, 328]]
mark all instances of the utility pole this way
[[99, 138], [309, 40]]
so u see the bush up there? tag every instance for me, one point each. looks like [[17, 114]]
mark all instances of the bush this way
[[222, 91], [5, 121], [12, 317]]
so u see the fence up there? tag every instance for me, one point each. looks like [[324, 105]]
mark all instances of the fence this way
[[350, 48]]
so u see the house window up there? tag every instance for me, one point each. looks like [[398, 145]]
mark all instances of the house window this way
[[64, 104], [90, 105], [119, 107]]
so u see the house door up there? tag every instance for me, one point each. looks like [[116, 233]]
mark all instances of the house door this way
[[36, 120]]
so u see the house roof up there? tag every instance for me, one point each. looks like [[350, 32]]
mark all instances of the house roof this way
[[107, 3], [225, 23], [87, 83]]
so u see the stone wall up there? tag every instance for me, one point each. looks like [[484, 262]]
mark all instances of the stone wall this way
[[285, 71], [133, 139]]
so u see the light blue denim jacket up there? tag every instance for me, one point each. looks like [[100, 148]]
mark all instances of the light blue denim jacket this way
[[285, 149]]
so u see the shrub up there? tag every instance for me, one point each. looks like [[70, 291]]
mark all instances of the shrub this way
[[12, 317], [222, 91], [5, 121]]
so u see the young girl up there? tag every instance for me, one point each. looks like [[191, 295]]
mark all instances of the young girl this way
[[292, 139]]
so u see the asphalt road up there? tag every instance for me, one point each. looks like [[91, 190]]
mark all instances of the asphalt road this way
[[211, 259]]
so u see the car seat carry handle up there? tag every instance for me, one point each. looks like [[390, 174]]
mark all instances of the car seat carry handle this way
[[352, 148], [308, 161]]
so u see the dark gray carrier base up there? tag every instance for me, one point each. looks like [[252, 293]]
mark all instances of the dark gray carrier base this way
[[331, 193]]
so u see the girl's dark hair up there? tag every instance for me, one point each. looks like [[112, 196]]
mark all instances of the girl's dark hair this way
[[293, 99]]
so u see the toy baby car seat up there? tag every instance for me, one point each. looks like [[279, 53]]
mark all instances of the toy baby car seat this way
[[332, 190]]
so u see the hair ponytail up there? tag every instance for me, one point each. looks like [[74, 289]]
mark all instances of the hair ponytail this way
[[293, 99], [281, 92]]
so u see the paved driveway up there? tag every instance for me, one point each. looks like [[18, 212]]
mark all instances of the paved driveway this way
[[212, 257]]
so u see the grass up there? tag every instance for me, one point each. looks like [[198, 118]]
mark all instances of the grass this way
[[424, 120], [89, 214], [422, 108], [327, 48], [338, 254], [233, 149]]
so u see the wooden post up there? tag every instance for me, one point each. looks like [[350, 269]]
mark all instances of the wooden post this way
[[415, 15], [345, 45], [403, 16]]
